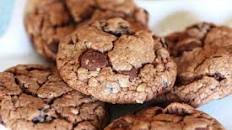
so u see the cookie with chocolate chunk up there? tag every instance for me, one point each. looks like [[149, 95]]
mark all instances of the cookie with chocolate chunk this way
[[48, 21], [175, 116], [116, 61], [203, 53], [33, 97]]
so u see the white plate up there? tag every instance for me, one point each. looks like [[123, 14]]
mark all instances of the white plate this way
[[166, 16]]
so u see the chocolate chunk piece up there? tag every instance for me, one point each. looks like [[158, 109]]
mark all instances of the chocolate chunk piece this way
[[133, 73], [93, 60]]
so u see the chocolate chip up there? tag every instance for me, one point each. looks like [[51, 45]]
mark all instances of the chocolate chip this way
[[218, 76], [133, 73], [92, 60], [116, 27], [117, 32]]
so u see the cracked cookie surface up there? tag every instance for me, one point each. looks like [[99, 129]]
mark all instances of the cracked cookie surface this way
[[49, 21], [175, 116], [204, 61], [33, 97], [116, 61]]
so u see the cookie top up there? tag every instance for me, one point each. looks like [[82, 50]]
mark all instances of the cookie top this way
[[175, 116], [203, 53], [48, 21], [116, 61], [33, 97]]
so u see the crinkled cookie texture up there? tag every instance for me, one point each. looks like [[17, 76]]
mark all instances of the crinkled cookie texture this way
[[116, 61], [175, 116], [203, 53], [49, 21], [33, 97]]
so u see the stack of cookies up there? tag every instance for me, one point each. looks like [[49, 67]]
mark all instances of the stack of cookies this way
[[103, 53]]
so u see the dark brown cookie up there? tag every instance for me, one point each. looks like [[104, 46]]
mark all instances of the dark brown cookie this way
[[116, 61], [48, 21], [203, 53], [33, 97], [176, 116]]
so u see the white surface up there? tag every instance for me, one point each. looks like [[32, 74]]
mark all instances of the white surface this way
[[166, 16]]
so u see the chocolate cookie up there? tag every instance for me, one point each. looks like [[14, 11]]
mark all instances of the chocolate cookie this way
[[33, 97], [116, 61], [176, 116], [203, 53], [48, 21]]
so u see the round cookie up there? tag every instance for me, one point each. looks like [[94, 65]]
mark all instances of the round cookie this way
[[203, 53], [116, 61], [175, 116], [49, 21], [33, 97]]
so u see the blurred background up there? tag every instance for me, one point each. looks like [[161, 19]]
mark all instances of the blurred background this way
[[6, 8]]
